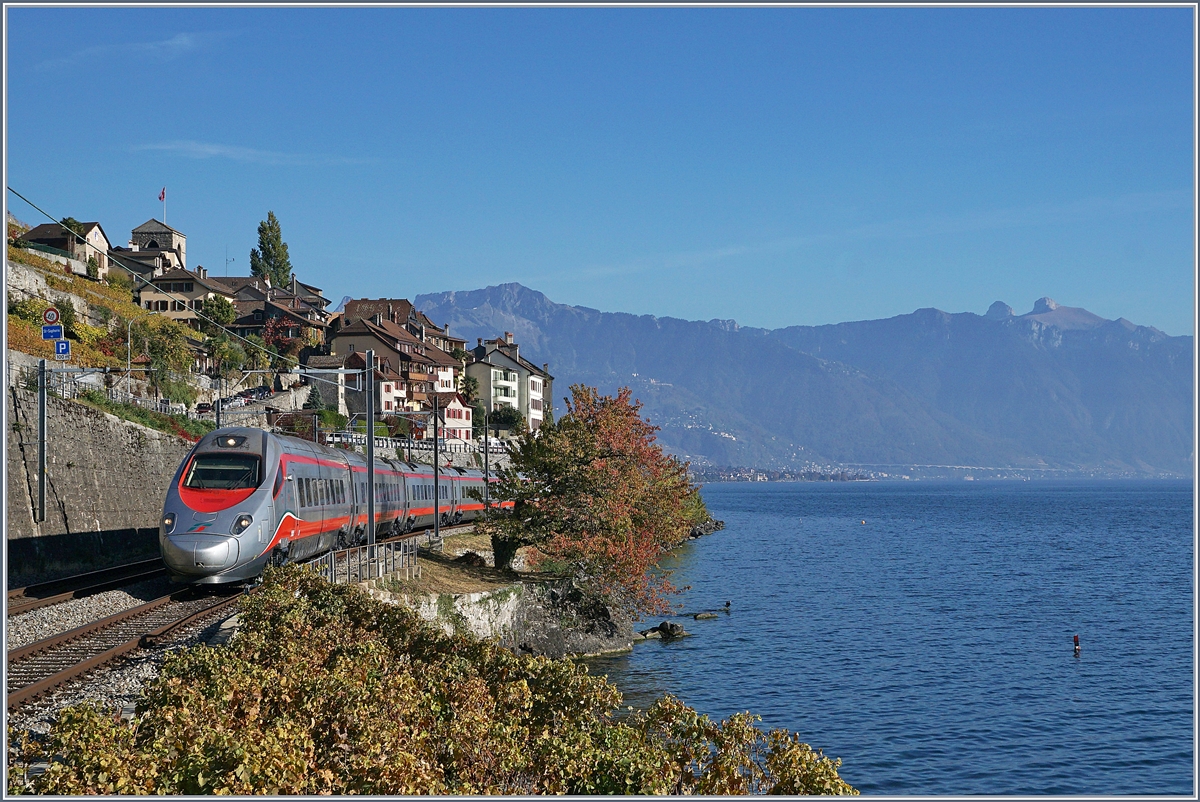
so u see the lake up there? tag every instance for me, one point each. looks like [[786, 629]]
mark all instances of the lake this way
[[922, 631]]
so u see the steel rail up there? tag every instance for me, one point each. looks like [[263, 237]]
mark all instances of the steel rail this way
[[35, 669], [32, 597]]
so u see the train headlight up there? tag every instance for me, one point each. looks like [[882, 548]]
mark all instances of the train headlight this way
[[241, 524], [168, 522]]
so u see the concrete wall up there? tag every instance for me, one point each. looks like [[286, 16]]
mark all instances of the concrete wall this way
[[106, 480], [77, 267]]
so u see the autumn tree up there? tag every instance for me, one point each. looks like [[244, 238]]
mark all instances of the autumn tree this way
[[270, 258], [277, 336], [597, 496]]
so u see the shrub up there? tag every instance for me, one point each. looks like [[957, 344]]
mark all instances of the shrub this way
[[178, 425], [326, 691]]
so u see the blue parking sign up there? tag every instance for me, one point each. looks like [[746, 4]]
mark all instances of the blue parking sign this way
[[62, 349]]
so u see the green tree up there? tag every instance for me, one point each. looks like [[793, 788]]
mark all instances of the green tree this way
[[93, 268], [478, 415], [599, 499], [218, 312], [73, 225], [227, 355], [258, 356], [507, 418], [314, 399], [469, 387], [270, 258]]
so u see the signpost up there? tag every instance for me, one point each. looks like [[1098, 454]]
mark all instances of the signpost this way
[[53, 330]]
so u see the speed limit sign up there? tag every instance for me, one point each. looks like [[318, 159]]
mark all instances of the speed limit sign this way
[[50, 316]]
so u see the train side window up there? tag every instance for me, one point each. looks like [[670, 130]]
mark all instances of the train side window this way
[[306, 492]]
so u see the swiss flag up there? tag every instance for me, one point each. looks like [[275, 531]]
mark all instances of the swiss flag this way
[[162, 196]]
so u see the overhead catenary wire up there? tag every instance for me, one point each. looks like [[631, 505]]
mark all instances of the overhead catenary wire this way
[[137, 277]]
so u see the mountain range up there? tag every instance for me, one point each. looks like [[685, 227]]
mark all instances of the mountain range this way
[[1058, 388]]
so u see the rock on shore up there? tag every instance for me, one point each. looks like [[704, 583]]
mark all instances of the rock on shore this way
[[706, 528]]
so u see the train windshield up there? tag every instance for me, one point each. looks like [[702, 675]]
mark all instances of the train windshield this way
[[223, 472]]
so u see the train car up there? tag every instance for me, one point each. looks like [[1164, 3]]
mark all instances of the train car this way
[[244, 498]]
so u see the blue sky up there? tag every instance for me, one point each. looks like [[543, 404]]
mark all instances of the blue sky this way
[[775, 166]]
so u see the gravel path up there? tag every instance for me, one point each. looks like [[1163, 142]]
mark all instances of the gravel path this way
[[26, 628]]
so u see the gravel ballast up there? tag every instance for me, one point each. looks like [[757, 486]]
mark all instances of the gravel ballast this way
[[35, 625]]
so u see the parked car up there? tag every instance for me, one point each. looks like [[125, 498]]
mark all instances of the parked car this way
[[203, 407]]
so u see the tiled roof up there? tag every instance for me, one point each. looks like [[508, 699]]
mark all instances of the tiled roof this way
[[235, 283], [323, 361], [154, 225], [179, 274]]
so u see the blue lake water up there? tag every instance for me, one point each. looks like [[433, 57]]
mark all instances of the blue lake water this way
[[930, 648]]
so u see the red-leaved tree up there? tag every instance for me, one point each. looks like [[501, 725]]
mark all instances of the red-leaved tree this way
[[599, 499]]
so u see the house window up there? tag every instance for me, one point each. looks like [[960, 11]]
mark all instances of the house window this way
[[387, 388], [350, 348], [187, 287], [258, 315], [387, 405]]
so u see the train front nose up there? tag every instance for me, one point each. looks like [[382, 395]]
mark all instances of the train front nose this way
[[199, 555]]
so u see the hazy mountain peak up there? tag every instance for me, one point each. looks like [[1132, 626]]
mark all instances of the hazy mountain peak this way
[[725, 325], [1050, 313], [928, 388], [1000, 310]]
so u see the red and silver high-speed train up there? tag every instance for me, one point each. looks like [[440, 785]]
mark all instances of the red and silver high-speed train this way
[[243, 498]]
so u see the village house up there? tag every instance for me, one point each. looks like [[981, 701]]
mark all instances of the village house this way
[[257, 303], [508, 379], [55, 236], [154, 248], [179, 294], [402, 313], [390, 395], [421, 366], [454, 417]]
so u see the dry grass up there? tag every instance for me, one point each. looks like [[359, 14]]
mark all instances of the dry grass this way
[[467, 541], [440, 573]]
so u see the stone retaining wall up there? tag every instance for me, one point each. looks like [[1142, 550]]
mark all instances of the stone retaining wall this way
[[105, 484], [541, 618]]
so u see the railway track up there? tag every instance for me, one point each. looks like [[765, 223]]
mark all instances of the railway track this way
[[22, 600], [40, 667]]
